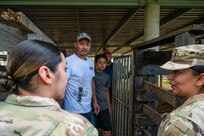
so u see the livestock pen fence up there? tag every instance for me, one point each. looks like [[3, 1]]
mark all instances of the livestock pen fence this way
[[138, 98], [122, 99]]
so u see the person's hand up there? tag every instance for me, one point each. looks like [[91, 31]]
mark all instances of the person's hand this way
[[96, 108]]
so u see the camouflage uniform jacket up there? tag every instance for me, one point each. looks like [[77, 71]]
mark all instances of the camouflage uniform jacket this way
[[188, 119], [38, 116]]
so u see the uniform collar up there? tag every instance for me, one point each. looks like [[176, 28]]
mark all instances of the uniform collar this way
[[199, 97], [31, 101]]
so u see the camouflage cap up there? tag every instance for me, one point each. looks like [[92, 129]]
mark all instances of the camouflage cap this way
[[83, 36], [185, 57]]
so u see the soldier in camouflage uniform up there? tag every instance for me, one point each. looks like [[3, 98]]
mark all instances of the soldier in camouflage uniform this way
[[187, 80], [36, 79]]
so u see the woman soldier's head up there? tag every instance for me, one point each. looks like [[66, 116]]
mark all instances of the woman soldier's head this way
[[187, 70], [37, 68]]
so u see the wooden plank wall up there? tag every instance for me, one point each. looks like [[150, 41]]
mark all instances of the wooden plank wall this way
[[10, 36]]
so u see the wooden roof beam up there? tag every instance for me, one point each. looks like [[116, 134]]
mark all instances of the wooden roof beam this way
[[126, 18], [164, 21], [107, 3], [126, 52], [21, 21]]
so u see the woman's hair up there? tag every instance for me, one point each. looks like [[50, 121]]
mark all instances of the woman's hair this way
[[197, 70], [5, 82], [27, 57]]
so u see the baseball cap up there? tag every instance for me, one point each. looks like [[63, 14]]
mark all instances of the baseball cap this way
[[83, 35], [107, 52], [185, 57]]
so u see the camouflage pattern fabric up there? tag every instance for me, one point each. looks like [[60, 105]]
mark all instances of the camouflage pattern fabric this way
[[37, 116], [83, 36], [185, 57], [186, 120]]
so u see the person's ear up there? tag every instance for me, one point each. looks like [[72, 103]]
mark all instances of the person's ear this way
[[45, 74], [75, 44], [200, 81]]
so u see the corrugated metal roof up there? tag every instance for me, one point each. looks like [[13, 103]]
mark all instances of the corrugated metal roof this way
[[126, 24]]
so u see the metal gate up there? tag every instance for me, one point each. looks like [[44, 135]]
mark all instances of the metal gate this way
[[122, 96]]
